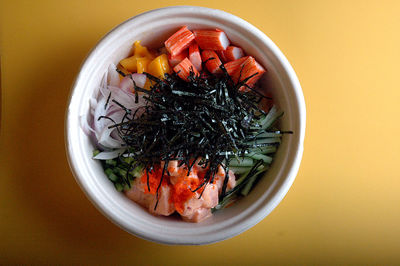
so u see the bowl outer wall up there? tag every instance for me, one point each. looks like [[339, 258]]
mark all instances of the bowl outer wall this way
[[133, 218]]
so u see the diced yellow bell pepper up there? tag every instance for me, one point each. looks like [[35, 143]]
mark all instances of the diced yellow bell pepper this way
[[142, 63], [159, 66], [148, 84], [141, 51], [132, 63], [129, 63]]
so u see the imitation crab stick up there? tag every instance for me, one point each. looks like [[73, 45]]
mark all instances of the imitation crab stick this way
[[211, 39], [211, 60], [221, 55], [233, 53], [194, 56], [232, 66], [249, 68], [179, 41], [184, 68], [176, 59]]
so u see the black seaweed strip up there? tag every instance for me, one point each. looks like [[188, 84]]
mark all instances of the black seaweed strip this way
[[120, 72], [108, 99]]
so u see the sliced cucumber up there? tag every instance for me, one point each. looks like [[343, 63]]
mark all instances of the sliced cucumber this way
[[268, 135], [271, 117], [111, 162], [258, 156], [241, 162], [240, 170], [225, 202], [263, 141], [120, 171], [110, 174], [244, 176], [137, 172], [263, 150], [119, 187], [251, 181]]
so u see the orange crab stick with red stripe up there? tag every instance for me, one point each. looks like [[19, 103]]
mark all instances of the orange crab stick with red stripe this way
[[194, 56], [233, 53], [176, 59], [211, 60], [179, 41], [211, 39], [184, 68], [232, 66], [249, 68], [221, 55]]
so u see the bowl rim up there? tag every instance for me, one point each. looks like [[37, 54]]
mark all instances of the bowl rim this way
[[281, 191]]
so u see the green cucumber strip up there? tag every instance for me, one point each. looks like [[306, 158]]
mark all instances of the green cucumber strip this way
[[268, 135], [111, 162], [263, 150], [120, 171], [241, 162], [240, 170], [127, 159], [119, 187], [243, 177], [245, 191], [257, 156], [226, 201], [95, 152], [270, 114], [263, 141], [126, 187], [137, 172], [110, 174], [270, 119], [248, 186]]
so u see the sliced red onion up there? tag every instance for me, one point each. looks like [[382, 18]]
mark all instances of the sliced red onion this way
[[106, 140], [99, 111], [126, 84], [127, 99], [115, 135], [121, 92], [106, 155], [112, 75], [140, 79], [92, 104], [103, 87], [104, 91], [116, 116], [85, 125]]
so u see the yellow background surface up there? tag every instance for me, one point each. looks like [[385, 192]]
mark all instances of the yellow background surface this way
[[344, 206]]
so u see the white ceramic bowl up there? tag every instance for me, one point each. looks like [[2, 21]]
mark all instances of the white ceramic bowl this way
[[153, 28]]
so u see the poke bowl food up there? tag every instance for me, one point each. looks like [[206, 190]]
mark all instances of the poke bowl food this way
[[186, 135], [184, 129]]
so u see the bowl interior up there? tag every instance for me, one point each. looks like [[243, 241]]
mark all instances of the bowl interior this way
[[153, 28]]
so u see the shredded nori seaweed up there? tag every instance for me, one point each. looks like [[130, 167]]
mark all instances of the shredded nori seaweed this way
[[208, 117]]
